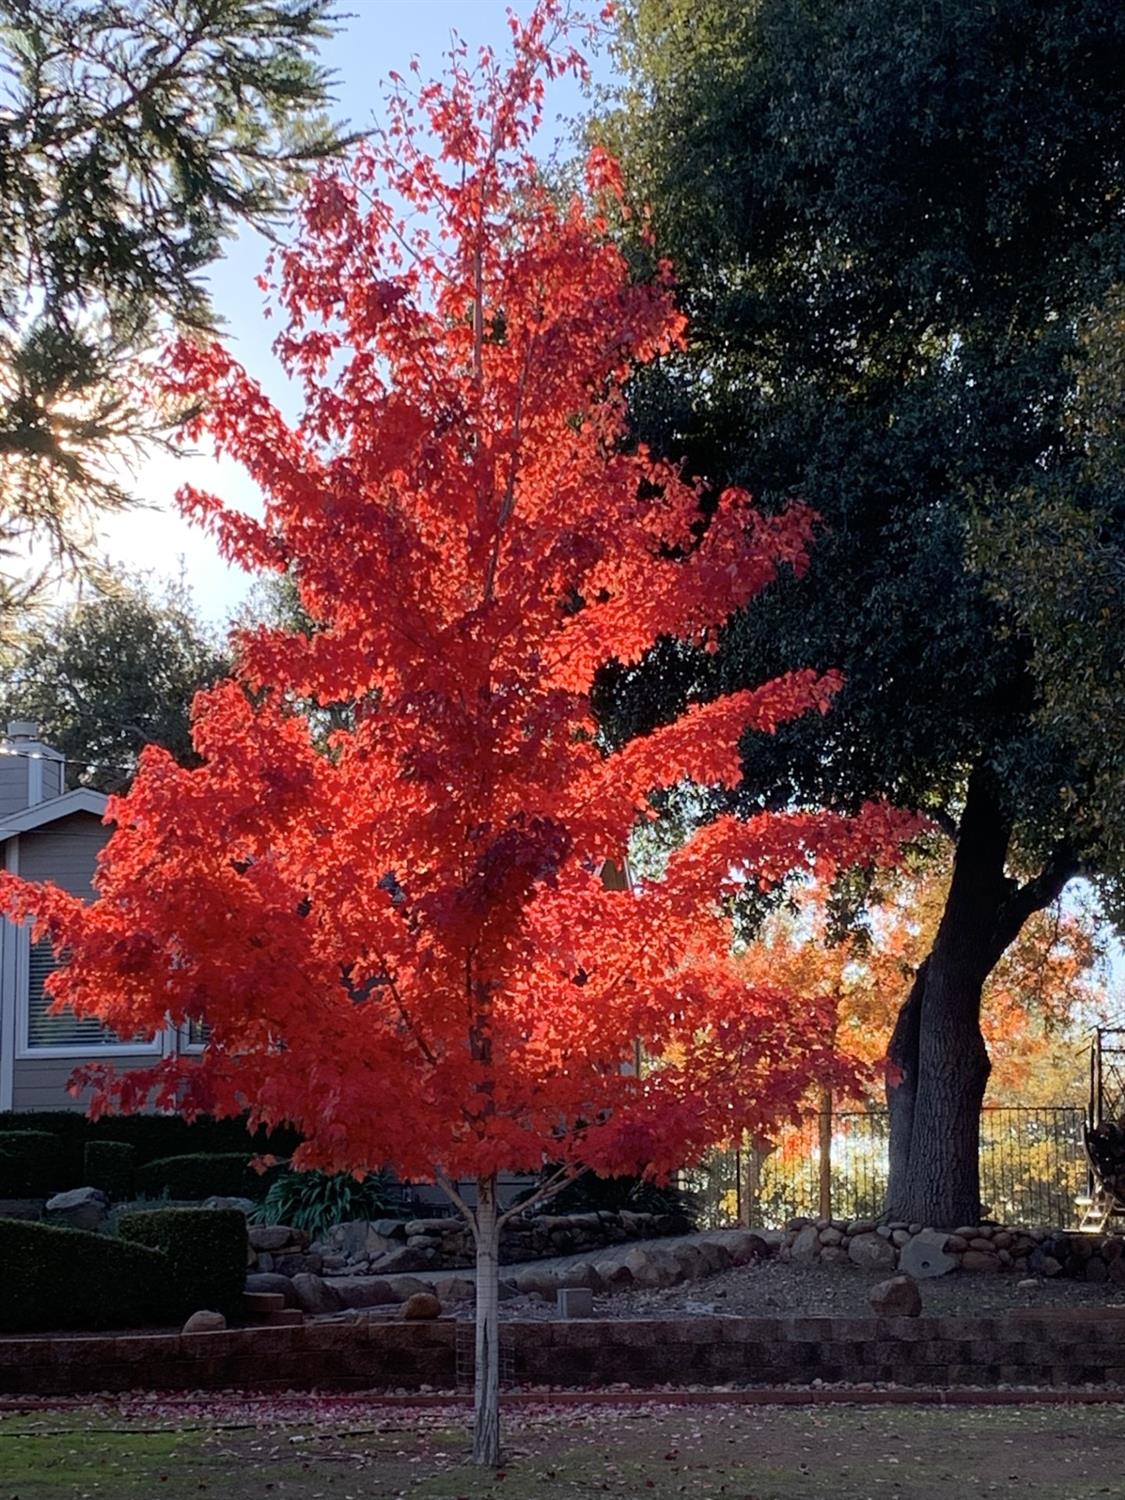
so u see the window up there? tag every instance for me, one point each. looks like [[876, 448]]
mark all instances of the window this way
[[65, 1030], [66, 1033]]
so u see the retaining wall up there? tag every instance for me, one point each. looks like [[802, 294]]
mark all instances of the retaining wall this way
[[1056, 1347]]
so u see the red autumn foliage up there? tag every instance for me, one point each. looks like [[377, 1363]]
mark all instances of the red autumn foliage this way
[[403, 945]]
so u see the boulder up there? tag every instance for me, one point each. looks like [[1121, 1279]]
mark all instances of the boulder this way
[[269, 1236], [403, 1287], [980, 1260], [580, 1274], [653, 1267], [926, 1256], [806, 1244], [872, 1252], [537, 1280], [269, 1281], [287, 1264], [455, 1289], [368, 1291], [1043, 1263], [420, 1306], [205, 1322], [897, 1298], [408, 1258], [689, 1258], [447, 1225], [244, 1205], [614, 1275], [716, 1256], [80, 1208], [315, 1295], [745, 1247]]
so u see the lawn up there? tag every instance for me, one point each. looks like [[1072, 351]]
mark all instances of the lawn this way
[[305, 1451]]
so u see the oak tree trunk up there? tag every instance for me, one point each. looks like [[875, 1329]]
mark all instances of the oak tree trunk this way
[[938, 1061], [486, 1385]]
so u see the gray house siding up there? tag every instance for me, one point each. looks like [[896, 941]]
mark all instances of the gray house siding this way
[[63, 852]]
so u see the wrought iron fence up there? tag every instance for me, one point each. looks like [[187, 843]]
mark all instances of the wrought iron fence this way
[[1031, 1162]]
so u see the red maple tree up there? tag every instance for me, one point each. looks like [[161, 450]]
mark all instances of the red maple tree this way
[[402, 942]]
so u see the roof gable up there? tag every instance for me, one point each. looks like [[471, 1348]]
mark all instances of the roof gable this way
[[79, 801]]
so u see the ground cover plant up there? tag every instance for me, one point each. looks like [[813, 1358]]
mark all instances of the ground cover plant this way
[[400, 939], [310, 1450]]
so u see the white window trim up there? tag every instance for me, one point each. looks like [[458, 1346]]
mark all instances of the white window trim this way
[[187, 1047], [25, 1052]]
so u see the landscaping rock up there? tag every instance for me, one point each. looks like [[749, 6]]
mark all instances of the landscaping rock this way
[[806, 1244], [456, 1289], [204, 1322], [926, 1256], [421, 1305], [613, 1274], [269, 1236], [370, 1291], [746, 1247], [872, 1252], [394, 1262], [980, 1260], [897, 1298], [244, 1205], [402, 1288], [1042, 1263], [652, 1268], [538, 1280], [80, 1208], [269, 1281], [315, 1295]]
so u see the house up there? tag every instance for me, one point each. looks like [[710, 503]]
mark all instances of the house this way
[[48, 833]]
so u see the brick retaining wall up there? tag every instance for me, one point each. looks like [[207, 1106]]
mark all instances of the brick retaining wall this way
[[1060, 1347]]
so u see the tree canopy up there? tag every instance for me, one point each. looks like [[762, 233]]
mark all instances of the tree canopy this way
[[406, 947], [134, 136], [111, 673], [890, 225]]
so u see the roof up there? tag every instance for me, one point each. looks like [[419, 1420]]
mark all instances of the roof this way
[[82, 800]]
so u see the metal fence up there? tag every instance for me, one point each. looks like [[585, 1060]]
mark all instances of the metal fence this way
[[1031, 1162]]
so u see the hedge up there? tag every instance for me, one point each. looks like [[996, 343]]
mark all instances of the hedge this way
[[227, 1174], [206, 1248], [152, 1137], [31, 1164], [66, 1278], [110, 1165]]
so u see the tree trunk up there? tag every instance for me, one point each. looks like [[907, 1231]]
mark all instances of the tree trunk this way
[[938, 1061], [486, 1385]]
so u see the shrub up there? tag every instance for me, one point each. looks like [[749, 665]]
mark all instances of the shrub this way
[[31, 1164], [67, 1278], [227, 1174], [109, 1165], [315, 1201], [206, 1248], [590, 1193], [151, 1136]]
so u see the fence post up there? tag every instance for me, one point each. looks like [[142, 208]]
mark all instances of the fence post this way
[[826, 1153]]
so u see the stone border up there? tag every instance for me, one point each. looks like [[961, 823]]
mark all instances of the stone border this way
[[1061, 1348]]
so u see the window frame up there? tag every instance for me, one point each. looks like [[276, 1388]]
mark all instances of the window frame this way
[[27, 1052]]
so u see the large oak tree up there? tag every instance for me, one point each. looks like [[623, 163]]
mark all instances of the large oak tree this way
[[890, 224]]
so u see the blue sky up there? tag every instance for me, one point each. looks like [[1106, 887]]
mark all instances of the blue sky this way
[[379, 36]]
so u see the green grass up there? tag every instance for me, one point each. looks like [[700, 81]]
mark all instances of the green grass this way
[[299, 1451]]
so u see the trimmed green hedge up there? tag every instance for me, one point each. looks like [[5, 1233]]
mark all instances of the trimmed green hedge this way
[[152, 1137], [66, 1278], [110, 1165], [206, 1248], [31, 1164], [227, 1174]]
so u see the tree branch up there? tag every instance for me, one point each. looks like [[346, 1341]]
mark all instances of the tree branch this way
[[1034, 895]]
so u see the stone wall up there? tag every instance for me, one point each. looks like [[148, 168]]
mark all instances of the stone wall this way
[[388, 1247], [922, 1252], [1058, 1347]]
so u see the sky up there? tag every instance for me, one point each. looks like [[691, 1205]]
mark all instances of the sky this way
[[379, 36]]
